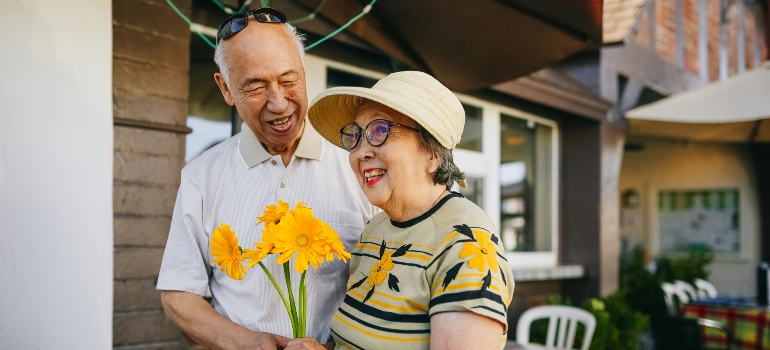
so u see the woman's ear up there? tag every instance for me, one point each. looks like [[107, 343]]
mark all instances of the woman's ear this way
[[433, 163]]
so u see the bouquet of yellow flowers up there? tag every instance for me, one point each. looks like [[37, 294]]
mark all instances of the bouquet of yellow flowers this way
[[287, 232]]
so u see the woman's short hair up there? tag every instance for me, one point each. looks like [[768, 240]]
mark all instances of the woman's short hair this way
[[447, 172]]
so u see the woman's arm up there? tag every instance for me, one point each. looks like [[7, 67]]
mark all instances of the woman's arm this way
[[464, 330]]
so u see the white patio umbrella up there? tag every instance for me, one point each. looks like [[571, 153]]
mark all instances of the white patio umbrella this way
[[733, 110]]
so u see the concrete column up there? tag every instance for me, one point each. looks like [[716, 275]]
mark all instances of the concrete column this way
[[151, 48]]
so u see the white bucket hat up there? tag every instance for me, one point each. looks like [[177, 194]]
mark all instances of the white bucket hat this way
[[416, 94]]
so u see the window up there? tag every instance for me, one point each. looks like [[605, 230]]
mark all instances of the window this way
[[525, 185], [471, 139]]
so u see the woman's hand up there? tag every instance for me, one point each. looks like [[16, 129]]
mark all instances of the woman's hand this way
[[308, 344], [464, 330]]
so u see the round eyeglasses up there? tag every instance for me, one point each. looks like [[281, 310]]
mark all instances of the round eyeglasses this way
[[377, 132]]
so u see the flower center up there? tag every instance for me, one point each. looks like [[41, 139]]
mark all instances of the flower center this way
[[484, 250], [302, 240]]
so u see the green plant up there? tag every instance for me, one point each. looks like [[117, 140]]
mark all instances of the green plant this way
[[618, 326], [641, 287], [686, 269]]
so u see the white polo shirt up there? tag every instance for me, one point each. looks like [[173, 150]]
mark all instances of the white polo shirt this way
[[233, 182]]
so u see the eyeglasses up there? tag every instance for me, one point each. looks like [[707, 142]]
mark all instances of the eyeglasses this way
[[237, 22], [377, 132]]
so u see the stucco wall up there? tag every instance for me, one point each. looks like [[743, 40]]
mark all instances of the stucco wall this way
[[666, 164], [56, 174]]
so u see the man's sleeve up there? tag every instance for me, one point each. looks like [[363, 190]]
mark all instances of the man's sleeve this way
[[472, 275], [184, 267]]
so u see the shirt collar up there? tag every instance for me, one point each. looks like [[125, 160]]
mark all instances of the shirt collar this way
[[252, 152]]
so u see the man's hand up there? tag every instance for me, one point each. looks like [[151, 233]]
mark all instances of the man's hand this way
[[201, 322], [269, 341], [308, 344]]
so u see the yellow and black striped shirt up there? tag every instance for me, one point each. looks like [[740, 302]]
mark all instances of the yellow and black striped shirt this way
[[449, 259]]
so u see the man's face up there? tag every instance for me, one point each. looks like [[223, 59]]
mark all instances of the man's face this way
[[267, 83]]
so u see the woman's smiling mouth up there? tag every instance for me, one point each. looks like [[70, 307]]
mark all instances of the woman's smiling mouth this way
[[372, 176]]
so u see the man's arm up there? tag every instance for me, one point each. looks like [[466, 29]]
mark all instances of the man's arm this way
[[201, 322]]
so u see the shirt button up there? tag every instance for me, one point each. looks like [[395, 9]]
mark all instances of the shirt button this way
[[273, 162], [283, 185]]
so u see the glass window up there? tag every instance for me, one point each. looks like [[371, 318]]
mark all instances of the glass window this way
[[471, 139], [336, 77], [474, 188], [525, 185]]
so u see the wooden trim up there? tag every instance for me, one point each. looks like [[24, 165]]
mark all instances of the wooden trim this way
[[180, 129]]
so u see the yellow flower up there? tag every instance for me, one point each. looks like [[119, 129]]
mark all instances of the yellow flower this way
[[273, 213], [483, 255], [226, 252], [299, 232], [267, 246], [332, 244], [380, 270]]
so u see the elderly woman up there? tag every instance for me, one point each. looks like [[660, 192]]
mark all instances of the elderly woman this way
[[429, 271]]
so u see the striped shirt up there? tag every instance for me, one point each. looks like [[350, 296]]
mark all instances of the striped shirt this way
[[447, 260], [233, 182]]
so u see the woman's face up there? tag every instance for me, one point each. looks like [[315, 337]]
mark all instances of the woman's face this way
[[395, 170]]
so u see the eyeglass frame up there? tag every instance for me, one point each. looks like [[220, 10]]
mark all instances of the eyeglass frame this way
[[266, 10], [389, 123]]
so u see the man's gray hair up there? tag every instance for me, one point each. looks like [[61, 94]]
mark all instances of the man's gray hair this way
[[224, 67]]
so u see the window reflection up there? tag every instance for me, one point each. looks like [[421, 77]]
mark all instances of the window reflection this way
[[471, 139], [525, 185]]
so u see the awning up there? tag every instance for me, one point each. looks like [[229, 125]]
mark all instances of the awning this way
[[469, 45], [733, 110]]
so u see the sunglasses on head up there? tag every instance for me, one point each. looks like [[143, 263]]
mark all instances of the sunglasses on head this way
[[377, 132], [237, 22]]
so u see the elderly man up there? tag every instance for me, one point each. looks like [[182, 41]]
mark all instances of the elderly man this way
[[278, 156]]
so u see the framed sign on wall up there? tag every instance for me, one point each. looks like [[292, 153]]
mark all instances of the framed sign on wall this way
[[697, 219]]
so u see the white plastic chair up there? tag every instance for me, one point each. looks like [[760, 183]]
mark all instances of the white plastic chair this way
[[686, 288], [671, 293], [706, 290], [562, 325]]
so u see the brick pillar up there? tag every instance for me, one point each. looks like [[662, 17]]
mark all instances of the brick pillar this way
[[151, 49]]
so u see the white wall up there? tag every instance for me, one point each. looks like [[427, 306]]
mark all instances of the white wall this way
[[55, 174], [676, 165]]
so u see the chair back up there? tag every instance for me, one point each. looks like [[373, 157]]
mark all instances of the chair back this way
[[706, 290], [562, 325], [687, 289], [670, 293]]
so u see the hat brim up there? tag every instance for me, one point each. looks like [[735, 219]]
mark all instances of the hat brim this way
[[337, 107]]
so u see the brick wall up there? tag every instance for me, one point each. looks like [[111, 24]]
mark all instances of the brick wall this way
[[665, 40], [691, 35], [150, 87]]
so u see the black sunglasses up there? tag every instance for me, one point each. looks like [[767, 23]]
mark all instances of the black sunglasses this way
[[237, 22], [377, 132]]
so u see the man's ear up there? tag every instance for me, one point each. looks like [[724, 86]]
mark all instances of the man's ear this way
[[220, 79]]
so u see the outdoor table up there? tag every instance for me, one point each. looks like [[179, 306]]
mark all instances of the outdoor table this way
[[747, 320]]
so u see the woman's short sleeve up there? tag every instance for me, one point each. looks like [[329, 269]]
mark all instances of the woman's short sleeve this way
[[471, 274]]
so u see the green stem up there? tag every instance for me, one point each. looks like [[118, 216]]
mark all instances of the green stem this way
[[287, 273], [302, 306], [283, 298]]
